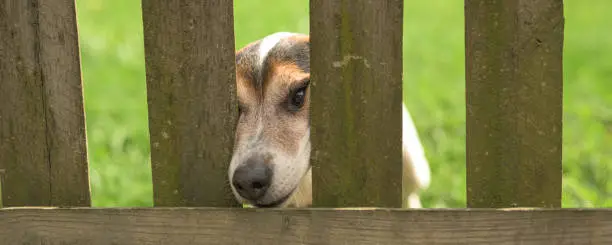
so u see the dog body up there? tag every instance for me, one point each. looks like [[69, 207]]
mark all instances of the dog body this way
[[270, 166]]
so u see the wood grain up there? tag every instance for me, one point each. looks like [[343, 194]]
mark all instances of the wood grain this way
[[304, 226], [356, 62], [514, 89], [189, 47], [42, 126]]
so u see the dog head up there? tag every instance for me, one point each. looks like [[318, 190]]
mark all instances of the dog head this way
[[272, 142]]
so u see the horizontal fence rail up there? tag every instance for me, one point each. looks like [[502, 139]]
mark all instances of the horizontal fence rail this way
[[187, 226]]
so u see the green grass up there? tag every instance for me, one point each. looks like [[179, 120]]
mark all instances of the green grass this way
[[115, 94]]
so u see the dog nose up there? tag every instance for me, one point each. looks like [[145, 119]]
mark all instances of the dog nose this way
[[253, 178]]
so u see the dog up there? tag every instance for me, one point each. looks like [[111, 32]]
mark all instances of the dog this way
[[270, 166]]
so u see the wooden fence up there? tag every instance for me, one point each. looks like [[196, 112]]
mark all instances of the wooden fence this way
[[514, 128]]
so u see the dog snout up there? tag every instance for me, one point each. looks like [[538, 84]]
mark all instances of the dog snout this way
[[252, 179]]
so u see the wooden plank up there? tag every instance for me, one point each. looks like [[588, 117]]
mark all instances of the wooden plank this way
[[1, 180], [42, 125], [304, 226], [514, 89], [189, 48], [356, 50]]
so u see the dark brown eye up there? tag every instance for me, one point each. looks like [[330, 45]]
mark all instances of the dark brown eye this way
[[296, 98], [241, 109]]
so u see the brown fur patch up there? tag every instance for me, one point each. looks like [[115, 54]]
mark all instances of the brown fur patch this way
[[289, 127]]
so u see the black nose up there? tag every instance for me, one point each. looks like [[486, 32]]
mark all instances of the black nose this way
[[253, 178]]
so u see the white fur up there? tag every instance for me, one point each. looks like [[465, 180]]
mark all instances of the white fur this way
[[289, 175], [268, 43], [412, 145]]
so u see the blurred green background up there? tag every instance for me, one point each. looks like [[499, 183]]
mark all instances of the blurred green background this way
[[115, 93]]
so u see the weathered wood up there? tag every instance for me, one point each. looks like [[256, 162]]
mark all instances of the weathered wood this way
[[514, 89], [1, 180], [42, 125], [191, 87], [307, 226], [356, 62]]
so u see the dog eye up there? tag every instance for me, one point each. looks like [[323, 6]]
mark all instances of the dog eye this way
[[241, 109], [296, 101]]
